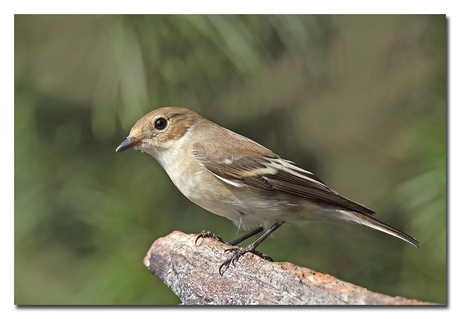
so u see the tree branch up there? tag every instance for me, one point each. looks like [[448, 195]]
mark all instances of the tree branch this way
[[192, 273]]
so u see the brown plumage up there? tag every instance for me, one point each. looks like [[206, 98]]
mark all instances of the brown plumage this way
[[235, 177]]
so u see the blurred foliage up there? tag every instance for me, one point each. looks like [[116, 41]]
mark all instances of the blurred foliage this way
[[358, 100]]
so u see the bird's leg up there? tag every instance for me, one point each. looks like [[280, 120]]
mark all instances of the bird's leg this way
[[248, 235], [208, 234], [240, 251]]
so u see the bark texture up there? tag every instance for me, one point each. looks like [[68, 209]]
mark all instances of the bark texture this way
[[191, 271]]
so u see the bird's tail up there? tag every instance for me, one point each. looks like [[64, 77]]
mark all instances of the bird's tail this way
[[381, 226]]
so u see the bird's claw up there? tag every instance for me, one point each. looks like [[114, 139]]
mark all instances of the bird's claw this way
[[237, 253], [208, 234]]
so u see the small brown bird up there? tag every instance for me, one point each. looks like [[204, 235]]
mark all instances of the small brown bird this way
[[233, 176]]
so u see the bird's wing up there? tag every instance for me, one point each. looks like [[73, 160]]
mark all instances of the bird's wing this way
[[273, 174]]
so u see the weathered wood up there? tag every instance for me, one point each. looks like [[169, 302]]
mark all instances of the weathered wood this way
[[191, 271]]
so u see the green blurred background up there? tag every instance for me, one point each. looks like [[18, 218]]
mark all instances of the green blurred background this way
[[358, 100]]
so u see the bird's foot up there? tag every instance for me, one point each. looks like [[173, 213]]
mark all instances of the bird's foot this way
[[237, 252], [208, 234]]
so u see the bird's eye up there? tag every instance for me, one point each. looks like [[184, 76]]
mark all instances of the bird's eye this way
[[161, 123]]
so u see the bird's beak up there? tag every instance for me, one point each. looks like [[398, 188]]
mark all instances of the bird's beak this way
[[128, 143]]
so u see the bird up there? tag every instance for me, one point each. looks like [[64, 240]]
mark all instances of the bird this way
[[235, 177]]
